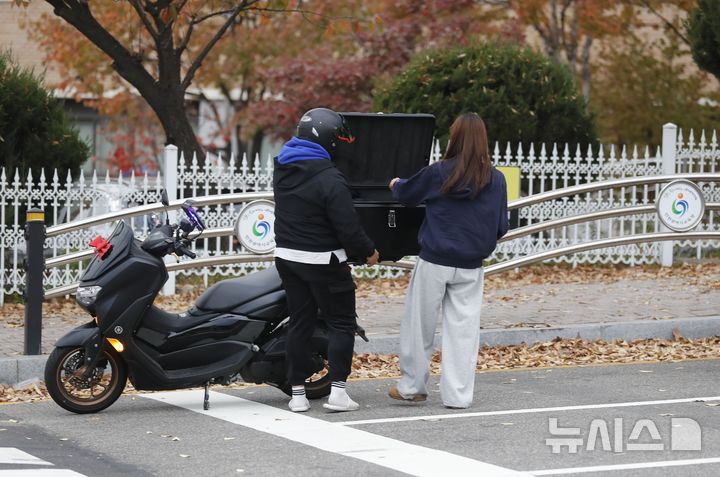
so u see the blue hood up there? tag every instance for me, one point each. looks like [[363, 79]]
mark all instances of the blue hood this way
[[297, 149]]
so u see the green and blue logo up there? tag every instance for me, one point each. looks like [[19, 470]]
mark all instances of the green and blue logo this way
[[679, 205], [261, 228]]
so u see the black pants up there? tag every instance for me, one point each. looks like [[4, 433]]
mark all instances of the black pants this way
[[331, 289]]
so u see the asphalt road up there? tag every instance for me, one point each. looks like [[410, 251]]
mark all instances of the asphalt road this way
[[636, 420]]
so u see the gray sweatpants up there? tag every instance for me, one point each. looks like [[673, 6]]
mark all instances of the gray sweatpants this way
[[458, 291]]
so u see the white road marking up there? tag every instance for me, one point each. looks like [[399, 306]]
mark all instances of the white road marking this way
[[40, 473], [328, 436], [14, 456], [641, 465], [506, 412]]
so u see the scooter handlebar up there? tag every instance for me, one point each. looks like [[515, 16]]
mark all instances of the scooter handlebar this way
[[181, 250]]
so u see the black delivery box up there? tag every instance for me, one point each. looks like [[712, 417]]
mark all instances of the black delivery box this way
[[386, 146]]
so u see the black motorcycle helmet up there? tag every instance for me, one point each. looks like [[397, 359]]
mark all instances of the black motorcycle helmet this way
[[325, 127]]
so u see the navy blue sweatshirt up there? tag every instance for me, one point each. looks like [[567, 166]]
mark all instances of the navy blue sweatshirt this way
[[459, 230]]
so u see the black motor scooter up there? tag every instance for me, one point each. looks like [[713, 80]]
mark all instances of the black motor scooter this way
[[236, 329]]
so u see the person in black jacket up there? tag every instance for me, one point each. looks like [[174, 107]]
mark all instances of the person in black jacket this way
[[316, 229]]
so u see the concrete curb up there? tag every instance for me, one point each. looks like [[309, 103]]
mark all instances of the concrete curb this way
[[16, 369]]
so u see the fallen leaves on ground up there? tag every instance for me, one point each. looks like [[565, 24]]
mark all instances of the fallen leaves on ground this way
[[36, 392], [556, 353]]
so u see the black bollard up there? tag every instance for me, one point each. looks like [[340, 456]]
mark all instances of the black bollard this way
[[34, 269]]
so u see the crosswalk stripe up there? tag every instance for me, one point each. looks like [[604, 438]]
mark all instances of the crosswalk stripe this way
[[347, 441], [12, 455], [40, 473], [639, 465], [507, 412]]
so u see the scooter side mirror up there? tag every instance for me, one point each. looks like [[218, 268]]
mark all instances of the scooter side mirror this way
[[192, 214]]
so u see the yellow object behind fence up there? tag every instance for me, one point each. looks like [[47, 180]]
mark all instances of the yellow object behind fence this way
[[512, 178]]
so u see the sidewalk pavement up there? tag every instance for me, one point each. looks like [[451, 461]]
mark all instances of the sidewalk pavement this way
[[624, 309]]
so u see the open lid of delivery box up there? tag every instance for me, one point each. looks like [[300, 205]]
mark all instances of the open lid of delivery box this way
[[385, 146]]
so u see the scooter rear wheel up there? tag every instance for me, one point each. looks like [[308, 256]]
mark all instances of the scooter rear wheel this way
[[71, 391], [318, 385]]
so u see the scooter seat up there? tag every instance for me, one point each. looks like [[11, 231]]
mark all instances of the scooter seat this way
[[229, 294], [165, 322]]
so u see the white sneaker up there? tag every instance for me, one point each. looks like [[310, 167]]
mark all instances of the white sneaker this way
[[340, 401], [299, 404]]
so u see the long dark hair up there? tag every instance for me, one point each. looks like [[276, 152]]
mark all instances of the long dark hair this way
[[469, 147]]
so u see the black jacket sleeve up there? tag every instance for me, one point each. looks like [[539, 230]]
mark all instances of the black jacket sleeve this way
[[342, 215], [503, 223]]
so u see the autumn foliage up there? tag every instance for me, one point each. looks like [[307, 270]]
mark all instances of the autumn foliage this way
[[342, 71], [270, 60]]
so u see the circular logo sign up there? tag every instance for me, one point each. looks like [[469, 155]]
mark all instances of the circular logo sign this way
[[255, 226], [680, 205]]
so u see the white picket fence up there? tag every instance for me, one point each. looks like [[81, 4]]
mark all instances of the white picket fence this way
[[545, 169]]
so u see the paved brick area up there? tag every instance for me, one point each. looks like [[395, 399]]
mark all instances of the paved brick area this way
[[523, 306]]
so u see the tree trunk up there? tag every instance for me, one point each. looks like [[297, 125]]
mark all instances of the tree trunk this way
[[572, 46], [585, 68], [169, 107], [165, 95], [179, 131], [256, 144]]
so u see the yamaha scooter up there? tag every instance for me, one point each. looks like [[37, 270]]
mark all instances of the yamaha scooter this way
[[236, 329]]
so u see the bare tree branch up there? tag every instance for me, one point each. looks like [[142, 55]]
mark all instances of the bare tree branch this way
[[545, 35], [186, 38], [128, 66], [214, 14], [162, 4], [553, 29], [141, 13], [302, 11], [561, 32], [585, 67], [667, 22], [195, 64], [181, 5]]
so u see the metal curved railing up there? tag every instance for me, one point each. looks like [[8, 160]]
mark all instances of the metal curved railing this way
[[589, 217], [496, 268], [610, 184], [582, 247], [149, 208]]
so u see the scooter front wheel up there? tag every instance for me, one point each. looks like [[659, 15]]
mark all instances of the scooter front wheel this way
[[68, 387]]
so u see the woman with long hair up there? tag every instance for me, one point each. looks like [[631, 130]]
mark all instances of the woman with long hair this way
[[466, 213]]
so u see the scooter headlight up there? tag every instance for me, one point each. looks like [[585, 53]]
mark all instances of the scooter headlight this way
[[85, 296]]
